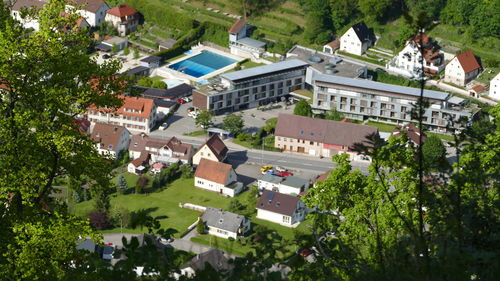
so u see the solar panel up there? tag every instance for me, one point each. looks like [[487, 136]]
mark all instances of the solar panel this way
[[270, 196]]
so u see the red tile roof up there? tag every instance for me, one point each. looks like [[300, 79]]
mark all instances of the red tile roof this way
[[213, 171], [334, 44], [142, 159], [122, 11], [143, 105], [412, 131], [478, 88], [237, 26], [468, 61]]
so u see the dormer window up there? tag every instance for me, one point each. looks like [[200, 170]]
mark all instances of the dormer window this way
[[110, 146]]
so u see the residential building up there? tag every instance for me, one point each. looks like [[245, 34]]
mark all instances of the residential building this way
[[138, 71], [476, 90], [369, 100], [151, 61], [357, 39], [280, 208], [217, 259], [94, 11], [331, 47], [136, 114], [124, 18], [462, 69], [138, 165], [119, 42], [320, 137], [409, 60], [411, 131], [160, 150], [251, 87], [163, 108], [322, 177], [241, 44], [224, 224], [213, 149], [110, 139], [166, 44], [494, 92], [27, 22], [217, 177], [170, 94], [290, 185]]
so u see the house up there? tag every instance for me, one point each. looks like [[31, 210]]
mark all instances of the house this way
[[110, 139], [322, 177], [138, 166], [120, 43], [151, 61], [80, 24], [320, 137], [290, 185], [241, 44], [224, 224], [494, 92], [462, 69], [27, 22], [280, 208], [476, 90], [412, 132], [409, 60], [160, 150], [124, 18], [166, 44], [136, 114], [217, 177], [138, 71], [83, 125], [217, 259], [357, 39], [163, 108], [331, 47], [213, 149], [94, 11], [170, 94]]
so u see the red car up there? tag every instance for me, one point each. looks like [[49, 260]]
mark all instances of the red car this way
[[181, 101], [305, 252], [285, 173]]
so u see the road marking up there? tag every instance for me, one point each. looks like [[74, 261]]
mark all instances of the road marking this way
[[308, 164]]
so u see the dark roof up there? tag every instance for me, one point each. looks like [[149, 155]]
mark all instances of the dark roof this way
[[103, 47], [151, 59], [27, 3], [322, 131], [176, 145], [323, 176], [168, 43], [138, 142], [468, 61], [138, 70], [108, 135], [363, 33], [237, 26], [412, 131], [164, 103], [216, 258], [217, 146], [87, 245], [278, 202], [221, 219], [176, 92], [89, 5], [213, 171]]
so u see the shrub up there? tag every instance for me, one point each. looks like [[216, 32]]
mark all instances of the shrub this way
[[77, 197], [200, 227], [99, 220], [122, 185], [186, 171], [121, 217], [141, 184]]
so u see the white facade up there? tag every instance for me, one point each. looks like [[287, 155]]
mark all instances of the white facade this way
[[27, 22], [350, 43], [114, 151], [94, 19], [279, 187], [290, 221], [408, 62], [494, 92], [225, 233], [204, 152], [220, 188], [455, 74], [123, 28]]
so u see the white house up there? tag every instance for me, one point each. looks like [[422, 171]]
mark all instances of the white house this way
[[213, 149], [495, 87], [160, 150], [136, 114], [290, 185], [357, 39], [242, 45], [224, 224], [409, 60], [217, 177], [281, 208], [94, 11], [462, 69], [138, 165], [27, 22], [331, 47], [124, 18], [110, 139]]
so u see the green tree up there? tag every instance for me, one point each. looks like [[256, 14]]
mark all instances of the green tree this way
[[136, 53], [159, 84], [302, 108], [186, 171], [342, 12], [47, 80], [145, 82], [204, 119], [200, 227], [114, 49], [141, 184], [235, 206], [317, 20], [233, 123], [126, 51], [334, 115], [434, 153], [122, 185], [377, 9]]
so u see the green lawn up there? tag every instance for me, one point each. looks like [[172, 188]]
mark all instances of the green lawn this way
[[441, 136], [363, 58], [250, 64], [382, 126], [234, 247]]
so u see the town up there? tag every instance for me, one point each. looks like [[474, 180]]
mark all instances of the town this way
[[212, 149]]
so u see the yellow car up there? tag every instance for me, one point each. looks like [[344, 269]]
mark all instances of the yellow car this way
[[265, 168]]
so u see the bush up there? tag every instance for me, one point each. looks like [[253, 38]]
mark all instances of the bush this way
[[244, 137], [186, 171], [122, 185], [141, 184], [99, 220], [200, 227], [121, 217], [77, 198]]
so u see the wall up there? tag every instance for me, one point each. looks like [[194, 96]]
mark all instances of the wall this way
[[224, 233], [349, 42], [454, 73], [273, 217], [208, 185], [204, 152]]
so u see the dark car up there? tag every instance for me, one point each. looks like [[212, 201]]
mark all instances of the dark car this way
[[105, 56]]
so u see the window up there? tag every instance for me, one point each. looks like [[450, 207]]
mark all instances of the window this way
[[200, 182], [285, 139], [286, 219], [311, 142]]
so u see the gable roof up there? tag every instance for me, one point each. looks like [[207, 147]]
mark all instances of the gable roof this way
[[221, 219], [334, 44], [295, 182], [28, 3], [213, 171], [277, 203], [89, 5], [108, 135], [143, 105], [178, 91], [468, 61], [176, 145], [412, 131], [122, 11], [322, 131], [237, 26], [323, 176], [215, 257], [138, 142], [217, 146], [151, 59], [363, 33], [142, 159]]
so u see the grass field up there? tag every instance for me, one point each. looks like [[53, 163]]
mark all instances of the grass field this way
[[382, 126], [196, 133]]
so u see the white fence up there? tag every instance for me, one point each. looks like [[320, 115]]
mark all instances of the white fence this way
[[193, 207]]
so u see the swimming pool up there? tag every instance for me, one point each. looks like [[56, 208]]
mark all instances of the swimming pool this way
[[202, 64]]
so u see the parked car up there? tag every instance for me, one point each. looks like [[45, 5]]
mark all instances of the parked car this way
[[186, 99], [164, 126], [265, 168], [280, 169], [284, 173], [105, 56], [165, 240], [181, 101]]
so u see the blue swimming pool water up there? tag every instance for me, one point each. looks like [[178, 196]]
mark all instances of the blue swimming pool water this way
[[202, 64]]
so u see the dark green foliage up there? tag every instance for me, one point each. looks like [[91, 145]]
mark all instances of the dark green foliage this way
[[434, 153], [99, 220], [77, 198], [318, 22], [121, 217], [186, 171], [200, 227], [334, 115], [270, 125], [141, 184], [233, 123], [235, 206], [136, 53], [122, 185], [302, 108]]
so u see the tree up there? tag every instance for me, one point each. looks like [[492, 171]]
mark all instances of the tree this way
[[302, 108], [434, 153], [126, 51], [233, 123], [159, 84], [114, 49], [204, 119], [186, 171], [377, 9], [47, 81], [235, 206], [334, 115], [122, 186], [99, 220], [317, 20], [136, 53], [200, 227], [141, 184], [145, 82], [77, 198]]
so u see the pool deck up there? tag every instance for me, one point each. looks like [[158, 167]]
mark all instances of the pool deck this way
[[196, 50]]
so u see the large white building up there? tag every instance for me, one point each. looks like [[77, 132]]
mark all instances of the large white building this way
[[27, 21], [94, 11], [138, 115], [357, 39], [242, 45], [462, 69], [494, 92]]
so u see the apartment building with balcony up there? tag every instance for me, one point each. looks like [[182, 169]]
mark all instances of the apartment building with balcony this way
[[369, 100], [252, 87]]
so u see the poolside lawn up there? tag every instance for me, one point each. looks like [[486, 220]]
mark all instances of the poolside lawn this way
[[175, 58]]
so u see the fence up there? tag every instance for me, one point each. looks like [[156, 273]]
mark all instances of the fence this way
[[193, 207]]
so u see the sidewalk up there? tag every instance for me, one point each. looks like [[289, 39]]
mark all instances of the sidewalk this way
[[463, 92]]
